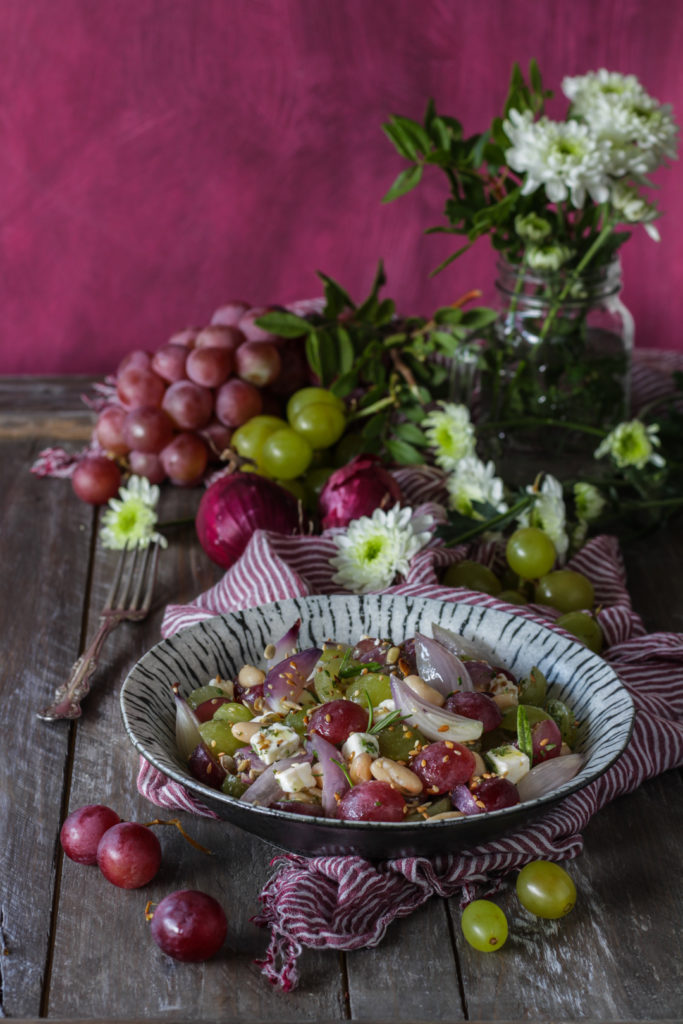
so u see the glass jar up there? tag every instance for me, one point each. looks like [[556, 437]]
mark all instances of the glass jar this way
[[558, 353]]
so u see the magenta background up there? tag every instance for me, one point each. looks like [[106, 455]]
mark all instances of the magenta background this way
[[160, 157]]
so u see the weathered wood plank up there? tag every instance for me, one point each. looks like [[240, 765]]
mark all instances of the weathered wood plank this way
[[105, 963], [44, 553]]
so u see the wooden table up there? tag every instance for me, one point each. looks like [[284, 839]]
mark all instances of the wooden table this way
[[76, 947]]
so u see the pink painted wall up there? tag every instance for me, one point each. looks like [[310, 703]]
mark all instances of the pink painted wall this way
[[160, 157]]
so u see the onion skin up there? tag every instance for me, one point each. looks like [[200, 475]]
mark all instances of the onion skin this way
[[547, 776], [357, 490], [236, 505]]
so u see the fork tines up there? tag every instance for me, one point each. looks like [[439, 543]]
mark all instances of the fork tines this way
[[133, 582]]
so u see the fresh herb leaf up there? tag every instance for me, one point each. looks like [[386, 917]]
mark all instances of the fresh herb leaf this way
[[524, 739]]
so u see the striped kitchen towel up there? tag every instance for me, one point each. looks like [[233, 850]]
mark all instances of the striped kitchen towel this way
[[347, 902]]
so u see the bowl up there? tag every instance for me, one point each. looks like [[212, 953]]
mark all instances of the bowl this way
[[223, 644]]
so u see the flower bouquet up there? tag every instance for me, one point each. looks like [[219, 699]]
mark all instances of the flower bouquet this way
[[555, 198]]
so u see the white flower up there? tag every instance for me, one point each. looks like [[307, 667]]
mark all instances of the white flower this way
[[548, 512], [634, 208], [632, 444], [585, 90], [450, 434], [547, 257], [564, 157], [375, 549], [475, 481], [532, 228], [588, 501], [130, 518]]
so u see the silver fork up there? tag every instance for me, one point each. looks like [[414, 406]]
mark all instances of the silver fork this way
[[129, 598]]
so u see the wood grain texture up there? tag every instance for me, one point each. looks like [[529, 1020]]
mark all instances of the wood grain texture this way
[[160, 158]]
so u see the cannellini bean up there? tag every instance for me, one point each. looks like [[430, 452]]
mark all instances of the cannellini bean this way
[[245, 730], [505, 700], [479, 765], [360, 768], [397, 775], [446, 815], [425, 691], [250, 676]]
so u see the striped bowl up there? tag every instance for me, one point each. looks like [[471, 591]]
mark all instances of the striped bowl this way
[[221, 645]]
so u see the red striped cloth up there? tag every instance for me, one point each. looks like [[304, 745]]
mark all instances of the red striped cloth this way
[[347, 902]]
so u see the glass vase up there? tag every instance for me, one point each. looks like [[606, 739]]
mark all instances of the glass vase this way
[[559, 353]]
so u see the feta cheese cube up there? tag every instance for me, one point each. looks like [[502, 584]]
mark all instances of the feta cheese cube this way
[[384, 708], [360, 743], [295, 778], [509, 762], [275, 742]]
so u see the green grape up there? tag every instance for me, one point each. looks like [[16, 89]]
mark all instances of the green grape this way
[[472, 575], [232, 785], [530, 552], [320, 423], [439, 806], [512, 597], [219, 738], [373, 685], [317, 478], [325, 684], [532, 688], [584, 627], [484, 925], [398, 741], [286, 454], [233, 713], [307, 396], [203, 693], [248, 440], [566, 590], [545, 889], [563, 716]]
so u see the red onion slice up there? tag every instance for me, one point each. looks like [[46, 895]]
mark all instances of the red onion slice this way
[[335, 783], [440, 667], [187, 734], [464, 801], [548, 776], [371, 650], [286, 680], [433, 722], [460, 646], [287, 644], [265, 790]]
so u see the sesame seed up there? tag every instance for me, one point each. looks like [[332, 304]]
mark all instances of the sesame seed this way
[[443, 728]]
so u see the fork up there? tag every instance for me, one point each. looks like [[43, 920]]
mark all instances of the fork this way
[[129, 598]]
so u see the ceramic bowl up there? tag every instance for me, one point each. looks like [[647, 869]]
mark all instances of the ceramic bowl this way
[[223, 644]]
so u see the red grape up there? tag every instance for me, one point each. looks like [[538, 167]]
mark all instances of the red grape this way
[[231, 312], [140, 386], [189, 405], [294, 372], [217, 438], [169, 362], [138, 357], [82, 830], [257, 362], [109, 430], [237, 401], [96, 479], [546, 739], [147, 429], [185, 459], [443, 765], [471, 704], [372, 801], [209, 366], [186, 337], [147, 464], [207, 709], [248, 327], [495, 793], [337, 719], [190, 926], [220, 336], [129, 855]]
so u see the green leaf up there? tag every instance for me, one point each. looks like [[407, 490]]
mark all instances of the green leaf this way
[[374, 427], [479, 317], [414, 131], [367, 310], [411, 433], [337, 298], [403, 453], [479, 149], [404, 183], [403, 143], [327, 352], [449, 259], [286, 325], [313, 354], [524, 740], [345, 351]]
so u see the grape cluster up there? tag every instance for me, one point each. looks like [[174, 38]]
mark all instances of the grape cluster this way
[[175, 410], [187, 925]]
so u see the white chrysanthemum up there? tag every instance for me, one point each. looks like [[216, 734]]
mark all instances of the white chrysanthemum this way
[[548, 512], [641, 133], [634, 208], [632, 444], [450, 434], [547, 258], [475, 481], [532, 228], [131, 517], [375, 549], [586, 90], [564, 157], [588, 501]]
